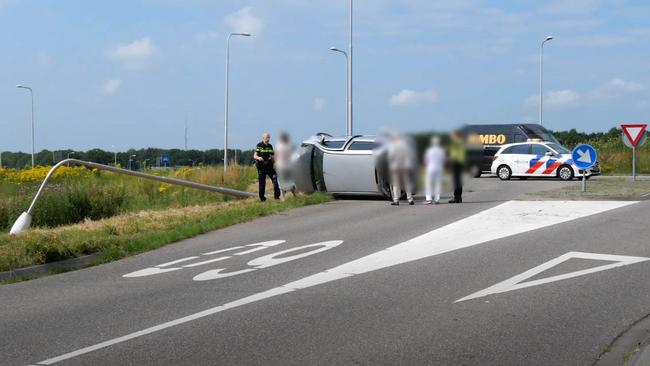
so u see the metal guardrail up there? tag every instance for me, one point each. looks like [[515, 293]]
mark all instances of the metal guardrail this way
[[24, 222]]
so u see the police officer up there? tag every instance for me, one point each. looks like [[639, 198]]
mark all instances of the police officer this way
[[264, 158], [457, 154]]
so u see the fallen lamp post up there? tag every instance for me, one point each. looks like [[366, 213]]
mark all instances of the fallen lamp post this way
[[24, 221]]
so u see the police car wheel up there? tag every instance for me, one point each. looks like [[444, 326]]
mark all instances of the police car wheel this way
[[565, 172], [504, 172]]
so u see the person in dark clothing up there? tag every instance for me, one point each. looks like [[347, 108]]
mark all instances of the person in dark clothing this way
[[264, 159], [457, 155]]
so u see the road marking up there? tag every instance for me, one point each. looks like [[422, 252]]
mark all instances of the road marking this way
[[205, 262], [516, 282], [150, 271], [176, 261], [270, 260], [262, 245], [222, 250], [510, 218]]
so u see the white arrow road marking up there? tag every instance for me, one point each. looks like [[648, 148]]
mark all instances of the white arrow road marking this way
[[515, 283], [585, 156], [510, 218]]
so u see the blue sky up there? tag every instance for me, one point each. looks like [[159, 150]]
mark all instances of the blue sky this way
[[130, 73]]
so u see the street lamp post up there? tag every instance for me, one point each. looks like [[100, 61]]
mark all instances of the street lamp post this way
[[347, 88], [130, 162], [31, 92], [349, 57], [541, 77], [114, 155], [225, 122]]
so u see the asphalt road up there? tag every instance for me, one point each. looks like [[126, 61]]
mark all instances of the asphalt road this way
[[379, 297]]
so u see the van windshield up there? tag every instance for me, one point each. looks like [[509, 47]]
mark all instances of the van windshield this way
[[559, 148], [539, 132]]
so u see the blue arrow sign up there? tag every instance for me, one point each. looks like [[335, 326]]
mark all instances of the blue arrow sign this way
[[584, 156]]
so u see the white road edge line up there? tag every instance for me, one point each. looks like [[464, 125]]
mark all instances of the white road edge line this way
[[507, 219]]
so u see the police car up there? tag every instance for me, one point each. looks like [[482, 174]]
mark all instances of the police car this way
[[537, 159]]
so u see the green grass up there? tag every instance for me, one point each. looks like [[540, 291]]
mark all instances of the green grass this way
[[96, 195], [135, 232], [598, 188]]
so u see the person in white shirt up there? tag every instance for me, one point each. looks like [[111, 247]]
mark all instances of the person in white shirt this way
[[434, 159], [283, 155], [401, 163]]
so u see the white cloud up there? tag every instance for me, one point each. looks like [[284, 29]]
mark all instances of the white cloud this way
[[245, 21], [135, 55], [616, 88], [319, 103], [611, 39], [110, 86], [408, 97], [555, 99], [572, 6]]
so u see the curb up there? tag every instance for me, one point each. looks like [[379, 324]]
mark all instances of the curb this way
[[44, 269], [630, 348]]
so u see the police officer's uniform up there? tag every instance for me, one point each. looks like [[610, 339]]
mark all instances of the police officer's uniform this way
[[264, 168]]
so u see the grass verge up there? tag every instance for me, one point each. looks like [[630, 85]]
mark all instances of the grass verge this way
[[598, 189], [135, 232]]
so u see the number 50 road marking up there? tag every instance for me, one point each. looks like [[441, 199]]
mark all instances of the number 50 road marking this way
[[255, 264]]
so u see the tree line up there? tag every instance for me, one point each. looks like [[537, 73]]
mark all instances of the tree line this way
[[134, 158]]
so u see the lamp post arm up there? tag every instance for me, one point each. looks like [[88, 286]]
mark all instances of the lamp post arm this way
[[24, 221]]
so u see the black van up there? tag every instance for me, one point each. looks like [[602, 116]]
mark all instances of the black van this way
[[483, 141]]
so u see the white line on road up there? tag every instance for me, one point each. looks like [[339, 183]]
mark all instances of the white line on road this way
[[510, 218], [205, 262], [176, 261], [515, 283]]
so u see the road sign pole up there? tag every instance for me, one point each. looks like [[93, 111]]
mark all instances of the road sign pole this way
[[634, 163], [584, 181]]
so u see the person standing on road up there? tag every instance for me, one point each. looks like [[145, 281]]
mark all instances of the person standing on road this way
[[457, 155], [264, 159], [401, 162], [434, 159], [283, 154]]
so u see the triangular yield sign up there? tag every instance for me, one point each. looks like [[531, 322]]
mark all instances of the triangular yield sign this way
[[516, 282], [634, 132]]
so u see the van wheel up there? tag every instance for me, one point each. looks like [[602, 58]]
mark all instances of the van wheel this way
[[504, 172], [565, 172], [475, 171]]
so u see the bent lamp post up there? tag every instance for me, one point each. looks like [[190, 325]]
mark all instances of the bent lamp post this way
[[24, 222]]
